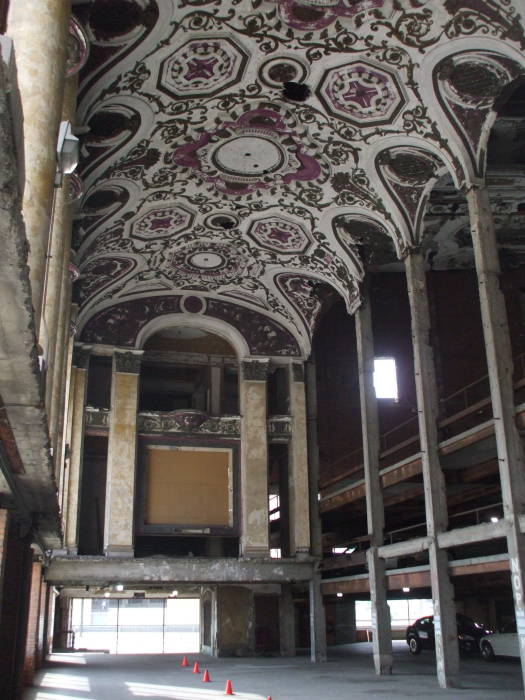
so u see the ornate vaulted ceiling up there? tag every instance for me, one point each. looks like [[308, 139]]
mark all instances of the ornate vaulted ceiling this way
[[207, 190]]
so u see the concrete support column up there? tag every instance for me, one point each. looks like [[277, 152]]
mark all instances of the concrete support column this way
[[298, 465], [215, 391], [33, 618], [286, 621], [74, 478], [122, 448], [53, 316], [500, 370], [318, 652], [254, 459], [316, 547], [445, 630], [39, 29], [382, 632]]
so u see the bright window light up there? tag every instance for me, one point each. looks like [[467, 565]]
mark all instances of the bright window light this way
[[275, 553], [385, 378], [273, 505]]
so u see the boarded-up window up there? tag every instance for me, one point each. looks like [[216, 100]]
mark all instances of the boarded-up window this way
[[188, 486]]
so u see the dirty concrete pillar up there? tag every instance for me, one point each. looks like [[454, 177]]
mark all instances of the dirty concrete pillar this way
[[122, 447], [74, 478], [375, 514], [33, 618], [254, 458], [65, 427], [53, 317], [286, 621], [318, 653], [447, 653], [215, 391], [299, 505], [39, 29], [500, 370], [236, 621], [316, 548]]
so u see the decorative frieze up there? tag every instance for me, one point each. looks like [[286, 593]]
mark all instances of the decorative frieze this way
[[279, 426], [127, 362], [170, 422], [255, 370], [97, 417]]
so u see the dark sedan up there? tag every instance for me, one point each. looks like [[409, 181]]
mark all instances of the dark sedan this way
[[420, 635]]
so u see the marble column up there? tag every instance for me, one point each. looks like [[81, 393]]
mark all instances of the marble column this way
[[39, 30], [500, 370], [122, 448], [447, 653], [74, 478], [298, 464], [254, 458], [53, 317], [375, 514]]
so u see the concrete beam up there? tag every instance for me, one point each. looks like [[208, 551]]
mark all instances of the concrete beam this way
[[73, 571], [402, 549], [473, 533]]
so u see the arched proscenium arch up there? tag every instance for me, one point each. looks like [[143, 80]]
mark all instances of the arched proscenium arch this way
[[211, 325]]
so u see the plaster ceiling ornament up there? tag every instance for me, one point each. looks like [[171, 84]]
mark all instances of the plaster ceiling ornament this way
[[77, 48], [408, 174], [467, 85], [121, 323], [203, 66], [162, 222], [222, 221], [281, 235], [257, 151], [99, 273], [278, 70], [299, 291], [74, 188], [317, 14], [361, 93], [365, 240], [205, 265]]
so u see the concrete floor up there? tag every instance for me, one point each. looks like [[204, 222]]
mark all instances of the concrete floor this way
[[347, 675]]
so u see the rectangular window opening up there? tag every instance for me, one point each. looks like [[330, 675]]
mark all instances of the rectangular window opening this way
[[385, 378]]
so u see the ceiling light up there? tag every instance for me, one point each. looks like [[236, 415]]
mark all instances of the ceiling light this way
[[107, 594], [339, 595], [406, 589], [174, 594], [494, 519], [119, 587]]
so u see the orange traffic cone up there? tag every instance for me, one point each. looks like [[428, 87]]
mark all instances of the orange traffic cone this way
[[184, 661], [228, 690], [196, 667], [206, 677]]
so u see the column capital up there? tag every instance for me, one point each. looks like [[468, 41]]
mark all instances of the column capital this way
[[297, 371], [255, 370], [127, 362], [81, 355]]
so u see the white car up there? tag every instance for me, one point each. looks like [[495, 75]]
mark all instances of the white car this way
[[504, 643]]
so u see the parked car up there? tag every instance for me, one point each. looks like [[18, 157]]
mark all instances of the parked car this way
[[420, 635], [504, 643]]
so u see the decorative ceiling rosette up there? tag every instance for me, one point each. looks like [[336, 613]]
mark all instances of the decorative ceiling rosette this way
[[467, 85], [280, 235], [409, 173], [203, 66], [161, 222], [317, 14], [256, 151], [362, 93]]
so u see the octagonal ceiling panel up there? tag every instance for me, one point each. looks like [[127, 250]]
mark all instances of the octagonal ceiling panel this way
[[361, 93], [203, 66], [161, 222], [279, 234]]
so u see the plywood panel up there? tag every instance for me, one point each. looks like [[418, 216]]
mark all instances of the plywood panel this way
[[187, 487]]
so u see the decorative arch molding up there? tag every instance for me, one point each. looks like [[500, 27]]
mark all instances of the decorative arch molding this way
[[409, 174], [360, 234], [467, 85], [431, 89], [121, 324]]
